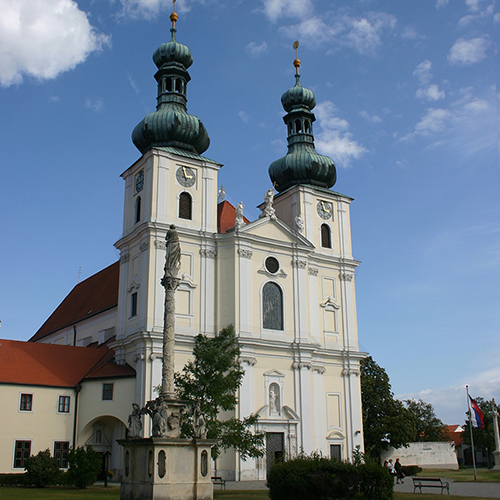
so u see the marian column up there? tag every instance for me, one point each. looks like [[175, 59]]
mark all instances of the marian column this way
[[170, 282], [496, 453]]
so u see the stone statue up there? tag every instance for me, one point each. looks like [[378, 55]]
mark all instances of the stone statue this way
[[299, 224], [268, 210], [173, 253], [135, 421], [199, 423], [158, 413], [239, 222]]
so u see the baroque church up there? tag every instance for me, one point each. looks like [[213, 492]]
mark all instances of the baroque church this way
[[285, 281]]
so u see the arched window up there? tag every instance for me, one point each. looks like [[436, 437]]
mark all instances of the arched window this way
[[272, 307], [185, 206], [326, 237], [137, 210]]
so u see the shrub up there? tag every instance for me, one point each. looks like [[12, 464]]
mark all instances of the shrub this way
[[411, 470], [41, 469], [319, 478], [12, 479], [84, 465]]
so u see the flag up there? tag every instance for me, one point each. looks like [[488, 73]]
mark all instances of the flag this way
[[476, 415]]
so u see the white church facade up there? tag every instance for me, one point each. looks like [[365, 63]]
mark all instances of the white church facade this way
[[285, 281]]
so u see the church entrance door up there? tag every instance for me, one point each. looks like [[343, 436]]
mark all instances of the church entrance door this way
[[275, 447]]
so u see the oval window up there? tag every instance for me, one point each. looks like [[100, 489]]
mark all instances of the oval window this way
[[272, 265]]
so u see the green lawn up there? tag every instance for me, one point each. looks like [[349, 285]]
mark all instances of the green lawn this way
[[461, 475], [113, 492]]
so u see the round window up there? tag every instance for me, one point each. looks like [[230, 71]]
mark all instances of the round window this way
[[272, 265]]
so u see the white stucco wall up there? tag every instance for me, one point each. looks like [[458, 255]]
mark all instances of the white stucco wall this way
[[438, 455]]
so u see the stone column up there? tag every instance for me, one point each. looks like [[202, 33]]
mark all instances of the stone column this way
[[496, 453], [170, 282]]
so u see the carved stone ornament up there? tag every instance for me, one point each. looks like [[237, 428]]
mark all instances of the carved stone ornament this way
[[268, 210], [313, 271], [239, 221], [298, 365], [134, 283], [347, 372], [301, 264], [199, 423], [207, 252], [346, 276], [246, 254], [124, 258], [144, 246], [135, 421], [249, 360], [299, 224], [319, 369], [160, 244]]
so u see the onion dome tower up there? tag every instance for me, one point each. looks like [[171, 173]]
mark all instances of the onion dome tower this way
[[302, 164], [170, 125]]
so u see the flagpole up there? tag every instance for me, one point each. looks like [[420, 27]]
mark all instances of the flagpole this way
[[471, 436]]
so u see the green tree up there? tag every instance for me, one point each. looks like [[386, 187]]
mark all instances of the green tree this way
[[212, 379], [42, 469], [484, 439], [427, 426], [84, 465], [385, 420]]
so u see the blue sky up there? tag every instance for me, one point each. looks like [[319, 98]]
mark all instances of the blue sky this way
[[406, 107]]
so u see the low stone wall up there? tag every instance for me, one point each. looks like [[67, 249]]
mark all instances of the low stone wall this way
[[439, 455]]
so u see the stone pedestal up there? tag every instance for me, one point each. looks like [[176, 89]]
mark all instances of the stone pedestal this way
[[166, 469]]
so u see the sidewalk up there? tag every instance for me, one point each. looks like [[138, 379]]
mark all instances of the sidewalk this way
[[472, 489]]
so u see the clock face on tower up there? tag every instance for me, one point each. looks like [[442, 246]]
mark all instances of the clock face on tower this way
[[324, 209], [139, 181], [186, 176]]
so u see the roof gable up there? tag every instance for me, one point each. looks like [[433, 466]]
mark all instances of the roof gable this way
[[88, 298], [272, 228]]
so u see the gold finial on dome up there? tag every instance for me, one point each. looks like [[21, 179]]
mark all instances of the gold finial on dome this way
[[296, 63], [173, 16]]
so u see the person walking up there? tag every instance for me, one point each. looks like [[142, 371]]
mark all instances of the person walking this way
[[399, 471]]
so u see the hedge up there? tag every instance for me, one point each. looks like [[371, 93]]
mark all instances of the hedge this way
[[319, 478]]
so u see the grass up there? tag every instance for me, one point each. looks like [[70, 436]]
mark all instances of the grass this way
[[464, 475], [113, 493]]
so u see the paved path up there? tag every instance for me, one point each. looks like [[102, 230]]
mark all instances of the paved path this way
[[486, 490], [472, 489]]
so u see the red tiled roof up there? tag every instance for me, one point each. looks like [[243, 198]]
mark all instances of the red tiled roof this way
[[454, 434], [226, 215], [37, 363], [90, 297]]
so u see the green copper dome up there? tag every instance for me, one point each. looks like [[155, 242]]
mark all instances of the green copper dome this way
[[171, 125], [302, 164]]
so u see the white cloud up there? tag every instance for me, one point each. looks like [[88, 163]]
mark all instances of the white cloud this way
[[427, 91], [467, 52], [274, 9], [450, 403], [423, 72], [363, 34], [148, 9], [334, 139], [245, 117], [441, 3], [254, 49], [95, 104], [370, 118], [431, 93], [43, 38], [467, 124]]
